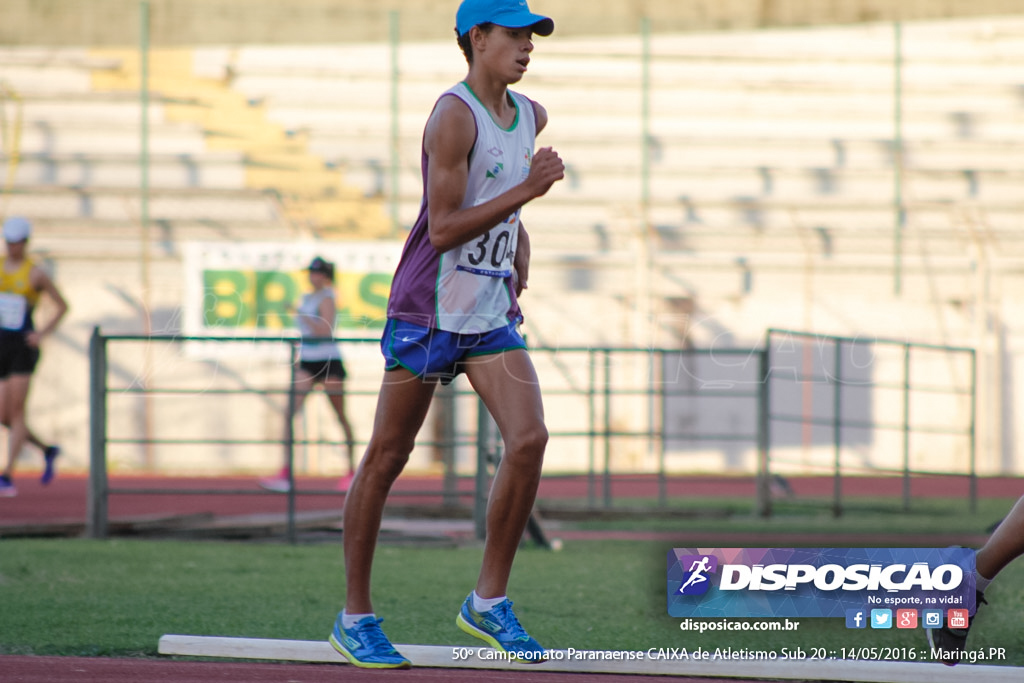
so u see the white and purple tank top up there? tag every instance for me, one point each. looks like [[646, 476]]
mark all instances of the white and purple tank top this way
[[469, 288], [310, 308]]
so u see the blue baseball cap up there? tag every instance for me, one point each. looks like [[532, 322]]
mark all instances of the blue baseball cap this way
[[17, 229], [507, 13]]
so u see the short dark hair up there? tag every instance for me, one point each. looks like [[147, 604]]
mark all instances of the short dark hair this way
[[320, 265], [467, 45]]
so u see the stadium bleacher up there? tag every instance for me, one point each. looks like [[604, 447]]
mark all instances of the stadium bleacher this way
[[763, 190]]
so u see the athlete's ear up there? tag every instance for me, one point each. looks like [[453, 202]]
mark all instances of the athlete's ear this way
[[478, 38]]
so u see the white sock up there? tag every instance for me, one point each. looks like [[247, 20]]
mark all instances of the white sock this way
[[980, 582], [485, 604], [350, 620]]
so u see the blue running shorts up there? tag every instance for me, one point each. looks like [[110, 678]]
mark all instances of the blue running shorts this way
[[430, 353]]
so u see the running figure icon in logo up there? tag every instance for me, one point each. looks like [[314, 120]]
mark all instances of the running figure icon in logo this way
[[700, 566]]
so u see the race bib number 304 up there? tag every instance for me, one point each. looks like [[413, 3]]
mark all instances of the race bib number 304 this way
[[492, 253]]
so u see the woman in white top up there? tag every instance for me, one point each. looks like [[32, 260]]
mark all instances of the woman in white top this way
[[319, 363]]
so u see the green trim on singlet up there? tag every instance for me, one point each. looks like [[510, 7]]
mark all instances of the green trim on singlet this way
[[515, 122], [437, 292]]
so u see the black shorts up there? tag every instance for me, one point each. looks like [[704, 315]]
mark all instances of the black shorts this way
[[16, 356], [322, 370]]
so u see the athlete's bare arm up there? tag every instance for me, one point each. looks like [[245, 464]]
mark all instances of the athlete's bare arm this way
[[521, 262], [323, 323], [541, 114], [448, 140], [522, 257], [42, 282]]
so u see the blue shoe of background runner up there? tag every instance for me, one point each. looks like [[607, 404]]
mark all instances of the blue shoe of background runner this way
[[7, 489], [501, 629], [366, 645], [50, 455]]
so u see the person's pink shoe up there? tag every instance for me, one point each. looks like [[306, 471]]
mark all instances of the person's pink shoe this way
[[278, 482], [346, 482]]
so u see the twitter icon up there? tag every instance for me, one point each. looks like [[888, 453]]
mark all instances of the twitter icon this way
[[881, 618]]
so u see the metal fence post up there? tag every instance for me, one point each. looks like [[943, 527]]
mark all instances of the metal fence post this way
[[972, 436], [591, 428], [900, 213], [484, 443], [658, 375], [764, 493], [447, 440], [394, 40], [837, 430], [607, 428], [97, 526], [289, 445], [906, 427]]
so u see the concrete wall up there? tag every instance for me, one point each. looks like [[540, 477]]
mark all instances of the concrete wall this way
[[232, 22]]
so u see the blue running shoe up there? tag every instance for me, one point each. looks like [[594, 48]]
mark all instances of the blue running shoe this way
[[7, 489], [50, 455], [366, 645], [500, 628]]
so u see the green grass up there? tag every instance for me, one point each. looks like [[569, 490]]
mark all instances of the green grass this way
[[861, 516], [116, 598]]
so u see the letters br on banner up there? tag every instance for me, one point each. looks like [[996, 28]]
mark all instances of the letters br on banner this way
[[251, 289]]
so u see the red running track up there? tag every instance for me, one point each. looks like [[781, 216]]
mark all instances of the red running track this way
[[21, 669], [65, 500]]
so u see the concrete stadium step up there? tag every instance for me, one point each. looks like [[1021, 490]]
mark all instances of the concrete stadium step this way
[[837, 153], [770, 184], [165, 138], [122, 205], [212, 170], [28, 71], [63, 239]]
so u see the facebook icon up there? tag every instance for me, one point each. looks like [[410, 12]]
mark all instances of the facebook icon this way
[[856, 618]]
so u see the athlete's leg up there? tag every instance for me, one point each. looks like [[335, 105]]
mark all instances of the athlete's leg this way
[[1004, 545], [507, 384], [401, 408], [4, 401], [335, 389], [30, 436], [303, 385], [15, 395]]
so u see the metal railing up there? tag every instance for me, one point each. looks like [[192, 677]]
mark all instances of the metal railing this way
[[844, 414], [612, 412]]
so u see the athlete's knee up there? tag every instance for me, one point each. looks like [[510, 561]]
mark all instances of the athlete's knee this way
[[529, 442], [387, 456]]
